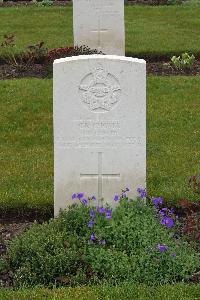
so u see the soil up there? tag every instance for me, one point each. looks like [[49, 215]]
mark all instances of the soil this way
[[40, 71], [165, 68], [68, 2], [10, 72]]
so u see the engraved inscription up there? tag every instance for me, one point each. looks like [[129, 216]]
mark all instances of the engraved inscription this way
[[98, 32], [100, 90], [98, 128], [100, 175], [92, 142]]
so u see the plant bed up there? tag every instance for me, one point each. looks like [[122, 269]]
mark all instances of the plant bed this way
[[166, 68], [9, 72], [31, 3], [68, 2], [89, 240], [40, 71]]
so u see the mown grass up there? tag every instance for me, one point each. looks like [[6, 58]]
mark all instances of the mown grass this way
[[26, 143], [26, 134], [122, 292], [153, 30], [173, 135]]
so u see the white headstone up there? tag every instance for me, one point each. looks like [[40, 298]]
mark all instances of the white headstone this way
[[99, 127], [99, 24]]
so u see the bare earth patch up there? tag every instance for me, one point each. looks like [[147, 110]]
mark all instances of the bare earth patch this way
[[39, 70]]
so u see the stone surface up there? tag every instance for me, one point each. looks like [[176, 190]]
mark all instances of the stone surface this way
[[99, 127], [99, 24]]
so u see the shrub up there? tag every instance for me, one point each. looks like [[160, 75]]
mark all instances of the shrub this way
[[23, 61], [190, 213], [185, 61], [90, 245], [62, 52], [44, 3], [68, 51]]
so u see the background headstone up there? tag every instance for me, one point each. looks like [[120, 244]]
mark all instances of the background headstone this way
[[99, 126], [99, 24]]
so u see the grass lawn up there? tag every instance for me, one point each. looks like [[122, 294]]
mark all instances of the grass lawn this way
[[122, 292], [157, 30], [26, 149]]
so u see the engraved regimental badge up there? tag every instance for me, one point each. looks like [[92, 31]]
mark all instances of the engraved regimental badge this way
[[100, 90]]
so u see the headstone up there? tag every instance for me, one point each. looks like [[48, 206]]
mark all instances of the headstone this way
[[99, 24], [99, 127]]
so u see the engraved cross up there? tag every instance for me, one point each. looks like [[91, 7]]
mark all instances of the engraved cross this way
[[100, 175], [99, 31]]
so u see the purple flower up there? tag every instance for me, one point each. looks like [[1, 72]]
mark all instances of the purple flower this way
[[84, 201], [123, 195], [93, 198], [90, 224], [101, 210], [163, 220], [92, 237], [92, 213], [169, 222], [80, 195], [161, 248], [127, 189], [142, 193], [162, 213], [173, 254], [108, 214], [116, 198], [103, 242], [157, 201], [74, 196]]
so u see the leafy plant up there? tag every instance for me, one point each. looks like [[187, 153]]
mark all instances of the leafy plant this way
[[191, 2], [66, 52], [33, 53], [36, 52], [7, 46], [194, 183], [69, 51], [191, 220], [174, 2], [90, 243], [185, 61], [8, 41], [45, 3]]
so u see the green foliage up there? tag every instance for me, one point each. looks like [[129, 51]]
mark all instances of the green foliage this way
[[32, 53], [45, 3], [171, 2], [174, 2], [61, 251], [191, 2], [185, 61], [61, 52]]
